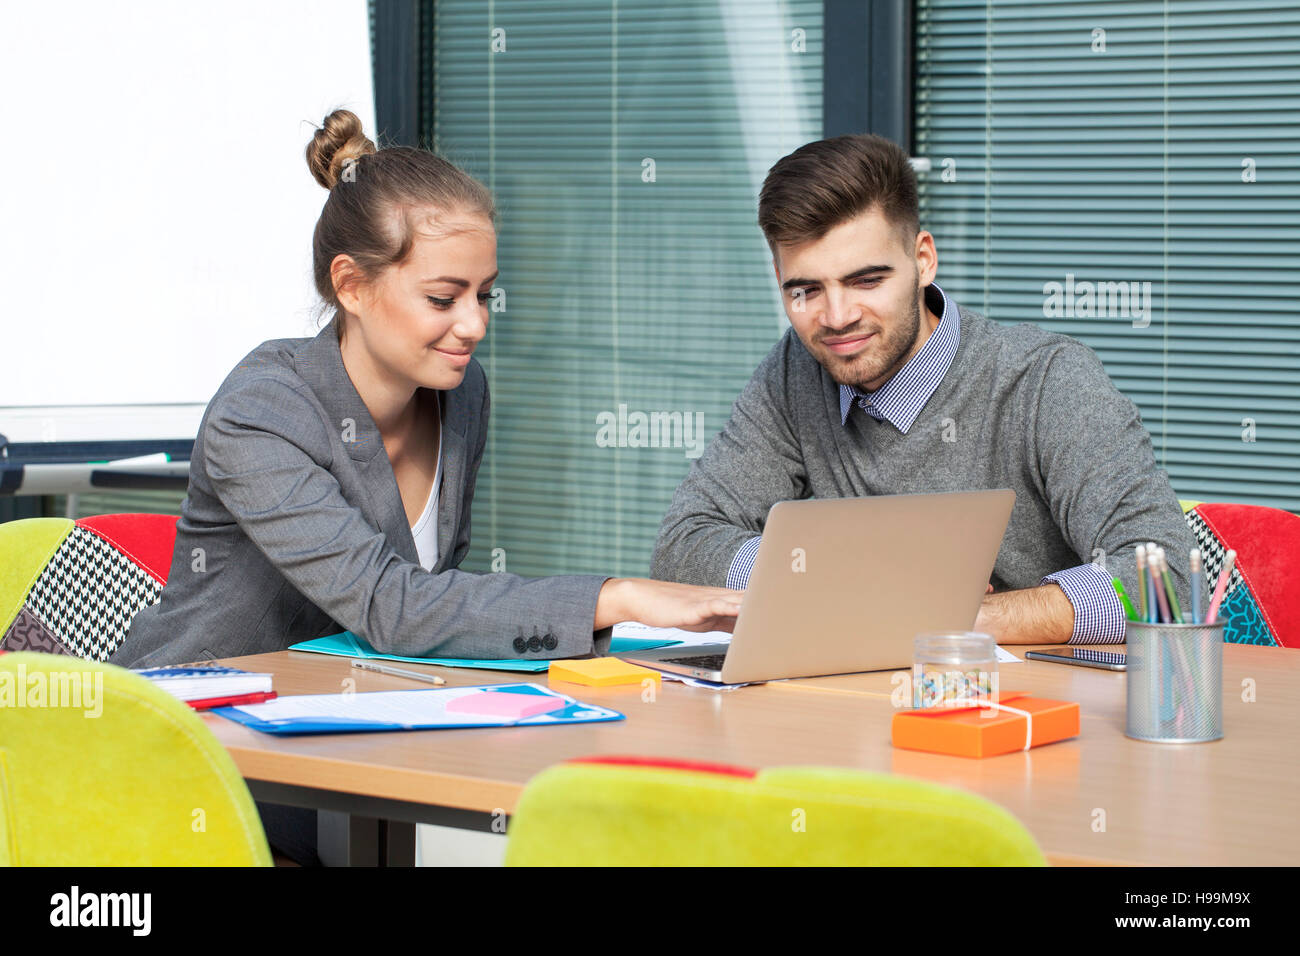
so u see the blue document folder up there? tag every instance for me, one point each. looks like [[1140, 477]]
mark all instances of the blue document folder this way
[[442, 709], [348, 644]]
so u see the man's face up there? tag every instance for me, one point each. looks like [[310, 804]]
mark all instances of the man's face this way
[[854, 297]]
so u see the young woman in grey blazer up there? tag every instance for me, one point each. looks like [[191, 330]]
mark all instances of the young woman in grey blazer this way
[[331, 479]]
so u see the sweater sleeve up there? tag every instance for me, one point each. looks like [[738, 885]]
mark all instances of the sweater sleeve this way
[[722, 503], [1097, 471], [273, 475]]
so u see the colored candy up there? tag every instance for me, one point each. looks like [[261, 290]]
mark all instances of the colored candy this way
[[942, 688]]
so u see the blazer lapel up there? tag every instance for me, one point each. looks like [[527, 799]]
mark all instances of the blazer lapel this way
[[321, 365], [377, 473], [454, 422]]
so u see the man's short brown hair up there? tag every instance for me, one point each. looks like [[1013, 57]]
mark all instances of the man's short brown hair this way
[[823, 184]]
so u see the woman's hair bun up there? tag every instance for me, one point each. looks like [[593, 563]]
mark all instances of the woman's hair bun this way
[[339, 140]]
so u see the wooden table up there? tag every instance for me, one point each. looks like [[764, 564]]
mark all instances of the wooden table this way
[[1097, 799]]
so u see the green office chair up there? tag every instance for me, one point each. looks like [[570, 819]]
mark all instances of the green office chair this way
[[627, 811], [98, 767]]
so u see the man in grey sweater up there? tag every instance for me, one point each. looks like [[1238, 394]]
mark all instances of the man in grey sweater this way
[[883, 385]]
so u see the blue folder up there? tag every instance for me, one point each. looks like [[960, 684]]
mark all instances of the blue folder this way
[[348, 644], [572, 712]]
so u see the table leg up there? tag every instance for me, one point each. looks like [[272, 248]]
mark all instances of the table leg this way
[[348, 839]]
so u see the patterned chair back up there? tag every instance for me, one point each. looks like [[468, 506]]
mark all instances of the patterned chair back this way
[[1261, 604], [73, 587]]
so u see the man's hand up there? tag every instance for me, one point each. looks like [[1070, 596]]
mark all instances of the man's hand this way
[[1041, 615]]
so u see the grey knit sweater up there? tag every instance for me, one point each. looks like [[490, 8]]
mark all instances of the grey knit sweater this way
[[1019, 408]]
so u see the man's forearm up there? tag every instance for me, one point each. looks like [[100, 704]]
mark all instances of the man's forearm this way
[[1041, 615]]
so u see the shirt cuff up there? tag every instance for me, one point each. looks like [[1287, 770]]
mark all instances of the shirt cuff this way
[[742, 564], [1098, 615]]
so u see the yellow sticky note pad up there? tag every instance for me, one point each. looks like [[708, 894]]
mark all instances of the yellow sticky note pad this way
[[600, 672]]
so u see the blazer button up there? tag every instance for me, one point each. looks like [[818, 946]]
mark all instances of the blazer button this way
[[549, 642], [520, 645], [534, 643]]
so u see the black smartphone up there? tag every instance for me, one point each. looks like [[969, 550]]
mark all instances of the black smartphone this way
[[1083, 656]]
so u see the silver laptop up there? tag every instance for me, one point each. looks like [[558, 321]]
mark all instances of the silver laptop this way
[[842, 585]]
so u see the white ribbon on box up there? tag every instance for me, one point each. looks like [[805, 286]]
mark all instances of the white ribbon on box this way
[[1029, 718]]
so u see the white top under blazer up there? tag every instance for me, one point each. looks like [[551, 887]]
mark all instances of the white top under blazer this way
[[425, 529]]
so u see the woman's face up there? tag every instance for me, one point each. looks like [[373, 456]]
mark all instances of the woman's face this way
[[421, 321]]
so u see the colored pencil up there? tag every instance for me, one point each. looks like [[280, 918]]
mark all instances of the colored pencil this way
[[1175, 612], [1194, 563], [1129, 612], [1153, 606], [1165, 616], [1142, 581], [1212, 614]]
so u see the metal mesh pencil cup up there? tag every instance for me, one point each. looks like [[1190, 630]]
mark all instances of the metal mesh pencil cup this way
[[1175, 682]]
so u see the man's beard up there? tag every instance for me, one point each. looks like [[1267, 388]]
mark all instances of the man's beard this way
[[883, 358]]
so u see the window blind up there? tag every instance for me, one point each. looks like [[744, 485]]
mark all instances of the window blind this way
[[625, 143], [1128, 173]]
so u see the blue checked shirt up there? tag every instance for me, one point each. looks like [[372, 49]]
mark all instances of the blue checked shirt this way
[[1098, 614]]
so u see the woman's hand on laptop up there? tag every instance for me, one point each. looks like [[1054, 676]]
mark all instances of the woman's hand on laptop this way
[[667, 604]]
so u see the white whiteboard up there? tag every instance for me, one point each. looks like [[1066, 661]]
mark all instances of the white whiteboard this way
[[157, 216]]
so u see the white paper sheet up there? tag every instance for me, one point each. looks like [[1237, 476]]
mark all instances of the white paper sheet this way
[[404, 707]]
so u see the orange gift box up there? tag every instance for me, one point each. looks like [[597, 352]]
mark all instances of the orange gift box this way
[[975, 732]]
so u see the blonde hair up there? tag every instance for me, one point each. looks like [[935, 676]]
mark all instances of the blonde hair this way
[[376, 198]]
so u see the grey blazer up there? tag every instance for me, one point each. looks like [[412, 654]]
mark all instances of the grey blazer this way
[[293, 528]]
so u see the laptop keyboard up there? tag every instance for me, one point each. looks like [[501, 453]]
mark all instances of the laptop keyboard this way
[[711, 662]]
